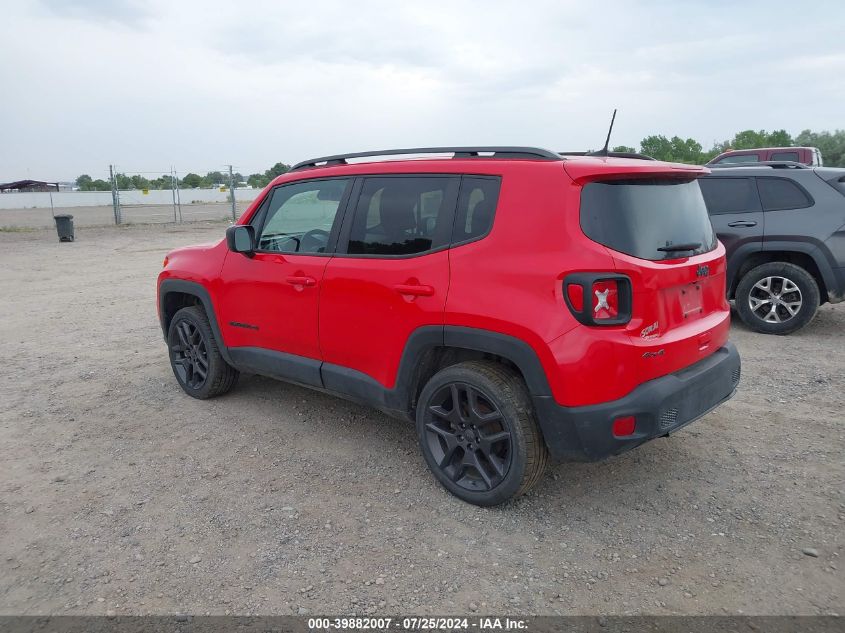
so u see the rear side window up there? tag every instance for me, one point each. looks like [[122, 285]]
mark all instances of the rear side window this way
[[780, 193], [476, 206], [739, 158], [729, 195], [793, 156], [651, 219], [404, 215], [838, 184]]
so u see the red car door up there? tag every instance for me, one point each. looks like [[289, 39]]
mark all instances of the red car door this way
[[269, 301], [390, 274]]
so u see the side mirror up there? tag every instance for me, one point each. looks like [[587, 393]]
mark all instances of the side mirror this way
[[241, 239]]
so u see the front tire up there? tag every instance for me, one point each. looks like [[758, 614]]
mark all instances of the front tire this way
[[777, 298], [195, 357], [478, 434]]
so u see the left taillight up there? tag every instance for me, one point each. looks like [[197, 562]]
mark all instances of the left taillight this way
[[165, 262], [598, 298]]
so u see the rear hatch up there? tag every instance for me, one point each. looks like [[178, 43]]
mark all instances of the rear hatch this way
[[657, 230]]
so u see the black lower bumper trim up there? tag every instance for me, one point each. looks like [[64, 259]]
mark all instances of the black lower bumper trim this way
[[660, 406]]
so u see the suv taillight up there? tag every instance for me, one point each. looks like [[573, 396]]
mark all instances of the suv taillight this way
[[598, 298]]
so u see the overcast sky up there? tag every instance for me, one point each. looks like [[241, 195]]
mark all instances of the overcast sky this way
[[198, 84]]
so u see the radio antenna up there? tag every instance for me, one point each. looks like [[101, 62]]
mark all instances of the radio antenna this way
[[604, 150]]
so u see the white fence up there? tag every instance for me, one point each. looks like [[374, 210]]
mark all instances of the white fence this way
[[69, 199]]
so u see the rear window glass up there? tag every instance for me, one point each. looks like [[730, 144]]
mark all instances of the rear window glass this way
[[651, 219], [739, 158], [780, 193], [793, 156], [729, 195]]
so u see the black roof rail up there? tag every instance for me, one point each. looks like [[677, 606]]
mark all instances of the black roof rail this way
[[774, 164], [458, 152], [634, 155]]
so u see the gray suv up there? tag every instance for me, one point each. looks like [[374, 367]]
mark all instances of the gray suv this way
[[783, 225]]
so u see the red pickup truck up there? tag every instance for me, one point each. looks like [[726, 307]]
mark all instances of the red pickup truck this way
[[807, 155]]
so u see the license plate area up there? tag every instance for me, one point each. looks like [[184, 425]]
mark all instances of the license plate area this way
[[690, 298]]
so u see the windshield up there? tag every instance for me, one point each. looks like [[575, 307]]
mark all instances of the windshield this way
[[655, 218]]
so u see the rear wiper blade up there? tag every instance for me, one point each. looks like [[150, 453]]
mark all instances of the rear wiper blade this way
[[689, 246]]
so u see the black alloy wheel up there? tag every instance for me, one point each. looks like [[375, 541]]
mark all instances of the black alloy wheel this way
[[189, 354], [478, 433], [195, 357], [466, 436]]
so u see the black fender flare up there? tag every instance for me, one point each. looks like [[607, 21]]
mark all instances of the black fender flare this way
[[182, 286]]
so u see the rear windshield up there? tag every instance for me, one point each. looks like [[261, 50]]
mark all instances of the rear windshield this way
[[648, 218]]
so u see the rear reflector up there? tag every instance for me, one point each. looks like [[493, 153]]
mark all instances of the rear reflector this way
[[575, 293], [605, 300], [624, 426]]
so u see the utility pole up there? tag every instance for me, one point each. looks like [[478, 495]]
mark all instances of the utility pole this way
[[232, 194], [115, 196], [173, 193], [178, 195]]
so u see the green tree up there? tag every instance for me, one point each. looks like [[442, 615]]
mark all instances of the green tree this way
[[192, 180], [624, 148], [675, 149], [84, 182], [831, 145], [100, 185], [277, 170], [139, 182], [216, 178], [259, 181]]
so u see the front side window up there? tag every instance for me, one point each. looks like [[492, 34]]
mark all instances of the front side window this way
[[300, 216], [780, 193], [729, 195], [476, 206], [403, 215]]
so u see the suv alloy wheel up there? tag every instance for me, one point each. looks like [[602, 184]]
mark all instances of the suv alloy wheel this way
[[478, 433], [195, 358], [777, 298]]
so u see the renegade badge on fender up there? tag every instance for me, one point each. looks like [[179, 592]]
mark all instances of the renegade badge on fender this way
[[517, 304]]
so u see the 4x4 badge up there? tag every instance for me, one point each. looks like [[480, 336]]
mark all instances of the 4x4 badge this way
[[702, 271]]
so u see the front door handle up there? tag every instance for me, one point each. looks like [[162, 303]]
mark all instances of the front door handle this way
[[746, 223], [414, 290], [301, 281]]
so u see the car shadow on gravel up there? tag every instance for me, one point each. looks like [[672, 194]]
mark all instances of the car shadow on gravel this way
[[336, 427]]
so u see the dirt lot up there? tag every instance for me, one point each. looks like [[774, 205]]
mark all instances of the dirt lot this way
[[119, 493]]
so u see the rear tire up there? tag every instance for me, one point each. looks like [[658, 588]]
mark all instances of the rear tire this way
[[195, 357], [487, 449], [777, 298]]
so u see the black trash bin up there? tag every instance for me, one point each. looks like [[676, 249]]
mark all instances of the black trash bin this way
[[64, 227]]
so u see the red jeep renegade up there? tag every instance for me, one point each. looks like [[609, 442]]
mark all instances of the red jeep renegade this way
[[515, 303]]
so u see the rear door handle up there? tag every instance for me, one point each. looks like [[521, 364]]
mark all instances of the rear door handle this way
[[301, 281], [747, 223], [414, 290]]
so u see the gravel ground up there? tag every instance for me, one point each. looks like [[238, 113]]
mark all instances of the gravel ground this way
[[118, 493]]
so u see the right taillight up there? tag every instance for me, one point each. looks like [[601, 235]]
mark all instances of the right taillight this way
[[605, 300], [598, 298]]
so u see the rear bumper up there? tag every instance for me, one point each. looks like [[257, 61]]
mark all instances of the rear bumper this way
[[660, 406]]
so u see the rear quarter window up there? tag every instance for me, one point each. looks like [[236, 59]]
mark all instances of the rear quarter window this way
[[793, 156], [780, 193]]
